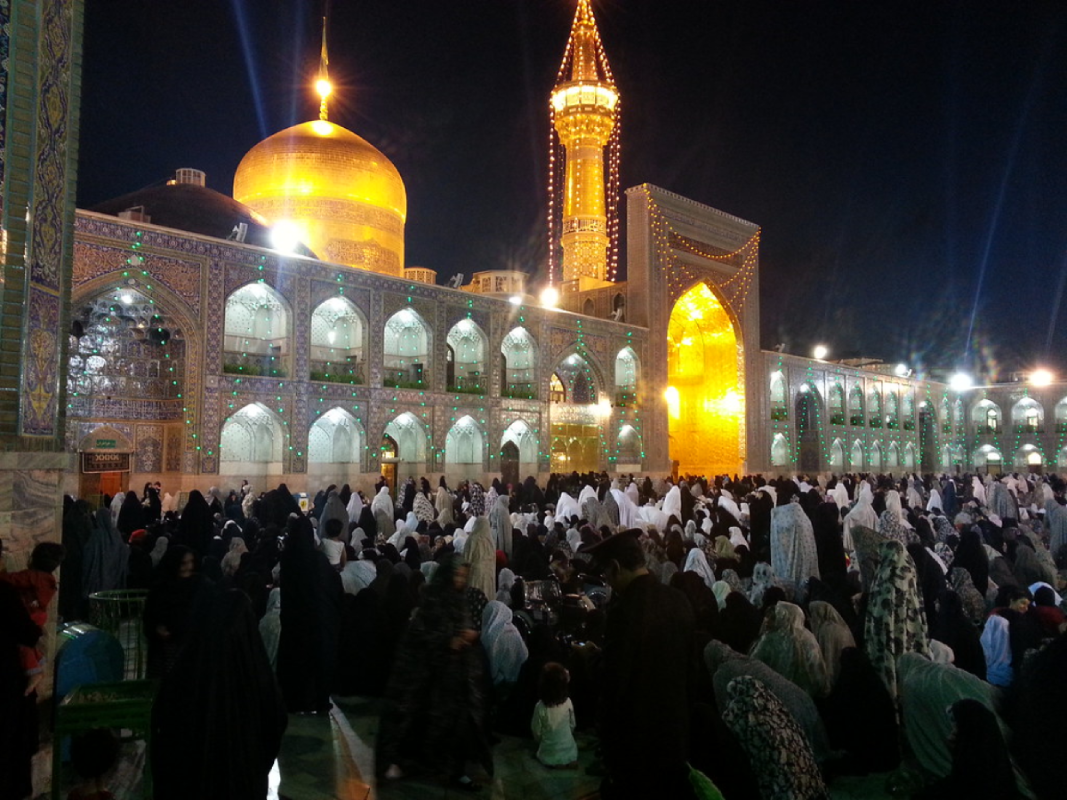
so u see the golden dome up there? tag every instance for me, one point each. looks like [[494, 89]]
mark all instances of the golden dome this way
[[344, 197]]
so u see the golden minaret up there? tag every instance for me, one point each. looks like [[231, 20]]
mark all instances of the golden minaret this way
[[584, 105]]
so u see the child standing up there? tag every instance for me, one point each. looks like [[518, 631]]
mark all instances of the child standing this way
[[36, 586], [553, 719]]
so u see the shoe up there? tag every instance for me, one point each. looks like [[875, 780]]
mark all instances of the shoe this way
[[465, 784]]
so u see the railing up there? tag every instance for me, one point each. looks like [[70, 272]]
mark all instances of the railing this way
[[253, 364], [1027, 428], [336, 372], [519, 391], [468, 384], [404, 377]]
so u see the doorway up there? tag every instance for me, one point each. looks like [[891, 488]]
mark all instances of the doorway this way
[[389, 459], [509, 463]]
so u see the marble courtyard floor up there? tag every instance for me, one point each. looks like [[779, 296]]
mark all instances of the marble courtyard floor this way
[[333, 757]]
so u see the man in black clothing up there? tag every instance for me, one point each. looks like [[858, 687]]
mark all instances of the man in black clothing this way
[[648, 667]]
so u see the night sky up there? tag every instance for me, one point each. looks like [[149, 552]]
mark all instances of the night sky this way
[[906, 161]]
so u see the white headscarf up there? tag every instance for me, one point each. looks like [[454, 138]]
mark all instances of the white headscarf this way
[[996, 642], [567, 507], [934, 501], [503, 643], [587, 493], [697, 562], [840, 495], [354, 507], [357, 575], [505, 580], [672, 503]]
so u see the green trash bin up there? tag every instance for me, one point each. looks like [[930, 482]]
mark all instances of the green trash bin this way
[[120, 613]]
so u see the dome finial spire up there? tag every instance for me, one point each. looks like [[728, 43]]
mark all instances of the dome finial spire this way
[[323, 85]]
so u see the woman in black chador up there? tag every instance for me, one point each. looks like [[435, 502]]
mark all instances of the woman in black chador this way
[[311, 615], [218, 720], [434, 718]]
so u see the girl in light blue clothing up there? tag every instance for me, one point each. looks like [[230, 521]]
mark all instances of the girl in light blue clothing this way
[[553, 719]]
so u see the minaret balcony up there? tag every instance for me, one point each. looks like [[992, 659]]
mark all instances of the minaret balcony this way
[[582, 96]]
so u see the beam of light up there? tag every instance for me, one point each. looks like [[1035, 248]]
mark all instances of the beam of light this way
[[1055, 313], [1009, 166], [250, 65]]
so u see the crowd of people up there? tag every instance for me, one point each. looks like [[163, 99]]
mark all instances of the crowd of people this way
[[733, 637]]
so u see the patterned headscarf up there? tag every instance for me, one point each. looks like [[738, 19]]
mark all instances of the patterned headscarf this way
[[895, 623], [778, 751]]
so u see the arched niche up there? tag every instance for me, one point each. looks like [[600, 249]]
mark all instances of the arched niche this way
[[336, 437], [518, 377], [525, 440], [466, 366], [987, 417], [1028, 416], [406, 351], [780, 455], [465, 447], [627, 375], [628, 450], [988, 459], [836, 402], [856, 455], [252, 442], [409, 436], [856, 414], [338, 342], [256, 331], [837, 454], [779, 406], [128, 348]]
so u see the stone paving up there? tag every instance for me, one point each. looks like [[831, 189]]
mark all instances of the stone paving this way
[[333, 757]]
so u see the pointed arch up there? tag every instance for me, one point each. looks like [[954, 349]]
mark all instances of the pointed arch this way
[[628, 451], [522, 436], [257, 327], [874, 457], [836, 404], [468, 345], [856, 414], [338, 342], [1029, 457], [465, 444], [1028, 416], [627, 375], [837, 454], [579, 378], [892, 456], [519, 374], [336, 437], [410, 438], [406, 350], [988, 457], [780, 451], [779, 406], [987, 417], [252, 441], [909, 455], [856, 455]]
